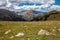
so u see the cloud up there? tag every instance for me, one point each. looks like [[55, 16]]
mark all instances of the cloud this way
[[14, 4], [47, 1], [46, 5], [33, 7], [2, 3], [8, 3], [55, 7], [33, 1]]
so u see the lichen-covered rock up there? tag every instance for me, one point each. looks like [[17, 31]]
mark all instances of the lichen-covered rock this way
[[8, 31], [59, 29], [12, 37], [42, 32], [19, 34]]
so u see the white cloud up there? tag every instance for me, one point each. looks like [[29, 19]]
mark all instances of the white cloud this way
[[2, 2], [34, 1], [34, 7], [47, 1], [13, 5], [55, 7], [16, 7], [8, 3], [16, 2]]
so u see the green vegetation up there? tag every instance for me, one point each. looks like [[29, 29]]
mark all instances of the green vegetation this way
[[30, 30]]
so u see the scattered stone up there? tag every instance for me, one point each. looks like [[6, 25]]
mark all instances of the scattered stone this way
[[19, 34], [42, 32], [7, 32], [12, 37], [47, 33], [28, 38], [54, 27], [59, 29], [53, 30]]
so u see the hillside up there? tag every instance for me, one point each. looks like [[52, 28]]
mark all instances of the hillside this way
[[53, 15], [29, 15]]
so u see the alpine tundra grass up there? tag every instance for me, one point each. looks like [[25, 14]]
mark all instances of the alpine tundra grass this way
[[41, 30]]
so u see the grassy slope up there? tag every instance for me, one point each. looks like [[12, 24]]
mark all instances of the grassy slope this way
[[54, 17], [30, 29]]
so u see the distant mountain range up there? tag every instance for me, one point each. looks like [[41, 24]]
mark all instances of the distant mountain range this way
[[28, 15]]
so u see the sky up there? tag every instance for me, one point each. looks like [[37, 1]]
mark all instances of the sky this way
[[37, 5], [57, 2]]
